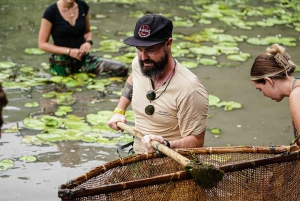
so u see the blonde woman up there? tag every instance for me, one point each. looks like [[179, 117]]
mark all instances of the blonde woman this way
[[272, 74]]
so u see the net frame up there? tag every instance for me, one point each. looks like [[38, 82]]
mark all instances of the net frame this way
[[249, 170]]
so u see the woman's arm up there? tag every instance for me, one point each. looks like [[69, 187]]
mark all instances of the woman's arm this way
[[43, 41], [295, 107], [88, 36]]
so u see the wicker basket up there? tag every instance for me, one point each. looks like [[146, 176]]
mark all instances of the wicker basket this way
[[251, 173]]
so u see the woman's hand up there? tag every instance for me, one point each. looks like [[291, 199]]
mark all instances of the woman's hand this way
[[85, 48], [75, 53]]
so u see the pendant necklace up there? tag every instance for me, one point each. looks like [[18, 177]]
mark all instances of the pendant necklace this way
[[72, 13]]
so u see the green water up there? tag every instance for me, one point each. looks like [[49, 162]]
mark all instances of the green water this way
[[261, 121]]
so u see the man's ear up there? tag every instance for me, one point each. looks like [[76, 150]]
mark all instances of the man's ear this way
[[169, 43]]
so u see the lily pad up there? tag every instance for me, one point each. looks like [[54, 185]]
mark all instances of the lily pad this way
[[189, 64], [208, 62], [229, 105], [6, 164], [44, 122], [28, 158], [32, 104], [34, 51], [6, 64], [213, 100]]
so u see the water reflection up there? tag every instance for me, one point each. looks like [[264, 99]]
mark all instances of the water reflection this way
[[73, 154]]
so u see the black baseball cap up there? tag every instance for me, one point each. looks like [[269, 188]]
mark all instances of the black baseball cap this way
[[150, 30]]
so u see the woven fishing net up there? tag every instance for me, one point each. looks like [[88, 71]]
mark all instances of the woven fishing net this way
[[251, 173]]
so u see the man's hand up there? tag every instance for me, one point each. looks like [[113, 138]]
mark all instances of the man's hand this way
[[115, 118], [146, 142]]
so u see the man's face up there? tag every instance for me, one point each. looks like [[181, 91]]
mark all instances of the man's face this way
[[153, 59]]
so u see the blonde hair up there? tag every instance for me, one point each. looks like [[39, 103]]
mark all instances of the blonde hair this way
[[275, 63]]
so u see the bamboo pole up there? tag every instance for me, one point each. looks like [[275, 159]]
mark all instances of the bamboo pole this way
[[161, 147]]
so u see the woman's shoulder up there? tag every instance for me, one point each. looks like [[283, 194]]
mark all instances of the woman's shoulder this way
[[83, 4], [50, 11]]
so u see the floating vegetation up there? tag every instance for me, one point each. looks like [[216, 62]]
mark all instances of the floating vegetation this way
[[238, 57], [118, 1], [229, 105], [6, 164], [28, 158], [34, 51], [6, 64], [189, 64], [213, 100], [95, 28], [32, 104], [286, 41], [216, 44], [207, 62]]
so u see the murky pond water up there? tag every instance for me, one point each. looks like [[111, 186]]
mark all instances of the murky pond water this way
[[260, 121]]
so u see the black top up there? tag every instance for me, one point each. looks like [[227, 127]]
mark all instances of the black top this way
[[64, 34]]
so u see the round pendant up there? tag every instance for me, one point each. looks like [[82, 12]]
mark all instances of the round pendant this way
[[151, 95], [149, 110]]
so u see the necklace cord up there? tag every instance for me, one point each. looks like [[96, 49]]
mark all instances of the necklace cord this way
[[173, 71]]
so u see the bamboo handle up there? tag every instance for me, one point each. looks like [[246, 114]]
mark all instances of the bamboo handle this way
[[161, 147]]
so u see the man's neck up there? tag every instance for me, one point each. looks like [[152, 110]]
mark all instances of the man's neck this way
[[165, 76]]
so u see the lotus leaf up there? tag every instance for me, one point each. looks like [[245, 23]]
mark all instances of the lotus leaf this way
[[215, 131], [32, 104], [97, 87], [51, 94], [27, 69], [230, 105], [91, 138], [28, 158], [44, 122], [65, 98], [94, 28], [17, 85], [205, 50], [6, 164], [77, 125], [65, 108], [213, 100], [50, 137], [123, 58], [189, 64], [208, 62], [32, 140], [60, 113], [6, 64], [75, 118], [205, 21], [34, 51], [73, 135], [238, 57], [56, 79]]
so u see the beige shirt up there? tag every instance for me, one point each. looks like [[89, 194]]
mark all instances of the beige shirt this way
[[180, 111]]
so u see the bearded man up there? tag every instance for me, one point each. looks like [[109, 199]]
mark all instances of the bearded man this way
[[169, 101]]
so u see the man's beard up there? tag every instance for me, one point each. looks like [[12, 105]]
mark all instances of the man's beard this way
[[157, 68]]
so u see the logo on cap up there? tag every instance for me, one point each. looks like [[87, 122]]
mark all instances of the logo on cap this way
[[144, 31]]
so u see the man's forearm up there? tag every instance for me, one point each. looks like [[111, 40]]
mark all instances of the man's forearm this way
[[190, 141]]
